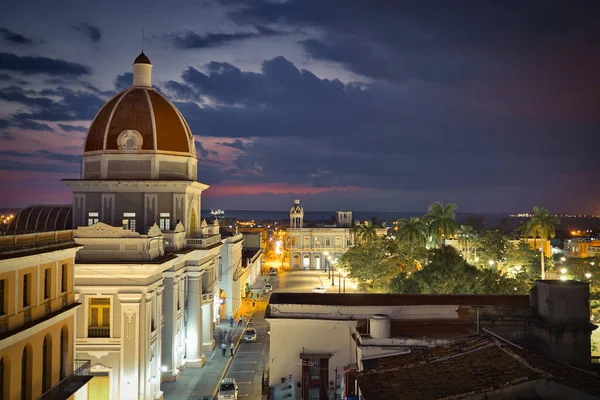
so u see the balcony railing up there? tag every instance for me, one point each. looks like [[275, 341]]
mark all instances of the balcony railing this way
[[98, 331], [72, 383], [203, 242]]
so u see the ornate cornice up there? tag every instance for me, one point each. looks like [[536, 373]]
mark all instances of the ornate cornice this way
[[102, 230]]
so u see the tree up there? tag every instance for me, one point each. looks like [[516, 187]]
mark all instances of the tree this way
[[410, 239], [364, 231], [371, 263], [542, 225], [465, 234], [494, 246], [441, 221], [449, 273]]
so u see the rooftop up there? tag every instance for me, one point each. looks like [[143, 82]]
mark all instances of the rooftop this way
[[475, 365], [357, 300]]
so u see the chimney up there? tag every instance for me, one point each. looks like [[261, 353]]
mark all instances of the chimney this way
[[560, 323]]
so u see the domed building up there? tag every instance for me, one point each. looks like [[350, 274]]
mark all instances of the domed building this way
[[139, 162]]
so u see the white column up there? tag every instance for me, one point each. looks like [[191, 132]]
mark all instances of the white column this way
[[208, 310], [195, 358], [169, 311], [130, 345]]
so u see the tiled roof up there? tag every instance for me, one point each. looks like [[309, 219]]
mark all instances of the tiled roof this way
[[398, 299], [474, 365]]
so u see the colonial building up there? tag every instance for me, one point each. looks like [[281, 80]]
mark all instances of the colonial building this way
[[433, 346], [37, 312], [310, 248], [147, 276]]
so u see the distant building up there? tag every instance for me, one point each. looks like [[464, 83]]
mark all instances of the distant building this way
[[37, 316], [434, 346], [582, 247], [307, 246]]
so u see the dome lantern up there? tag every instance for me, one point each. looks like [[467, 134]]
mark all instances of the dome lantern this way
[[142, 71]]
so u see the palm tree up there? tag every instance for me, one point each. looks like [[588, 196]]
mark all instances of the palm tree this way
[[465, 234], [411, 231], [542, 225], [441, 221], [364, 231]]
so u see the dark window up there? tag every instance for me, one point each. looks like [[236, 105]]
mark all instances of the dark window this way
[[2, 297], [2, 379], [165, 222], [47, 283], [65, 275], [93, 218], [25, 376], [25, 290], [46, 365]]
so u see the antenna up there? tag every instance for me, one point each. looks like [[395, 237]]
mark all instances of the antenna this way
[[142, 40]]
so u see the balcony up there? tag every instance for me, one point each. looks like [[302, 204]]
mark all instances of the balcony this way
[[203, 242], [72, 383], [98, 331]]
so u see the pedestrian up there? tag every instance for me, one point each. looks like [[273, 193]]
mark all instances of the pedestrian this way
[[253, 305], [231, 348], [223, 348], [240, 320], [231, 321]]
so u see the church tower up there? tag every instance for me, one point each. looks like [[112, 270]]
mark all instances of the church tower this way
[[296, 215]]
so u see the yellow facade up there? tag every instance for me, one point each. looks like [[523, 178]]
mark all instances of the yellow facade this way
[[37, 321]]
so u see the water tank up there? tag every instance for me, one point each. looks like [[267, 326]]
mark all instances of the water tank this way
[[380, 326]]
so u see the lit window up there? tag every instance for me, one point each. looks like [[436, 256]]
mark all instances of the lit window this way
[[129, 221], [165, 222], [99, 319], [93, 218], [327, 242]]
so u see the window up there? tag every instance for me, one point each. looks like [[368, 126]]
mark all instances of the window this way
[[165, 222], [47, 283], [64, 277], [327, 242], [46, 364], [348, 241], [93, 218], [99, 319], [317, 242], [2, 304], [129, 221], [2, 383], [26, 289]]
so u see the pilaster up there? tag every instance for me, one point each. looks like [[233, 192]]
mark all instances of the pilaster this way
[[195, 358], [130, 344]]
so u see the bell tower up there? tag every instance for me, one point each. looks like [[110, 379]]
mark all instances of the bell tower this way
[[296, 215]]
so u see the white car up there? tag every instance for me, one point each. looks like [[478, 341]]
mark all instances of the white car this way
[[319, 289], [228, 389], [268, 288], [249, 335]]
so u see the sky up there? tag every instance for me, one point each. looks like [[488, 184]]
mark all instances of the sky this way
[[382, 105]]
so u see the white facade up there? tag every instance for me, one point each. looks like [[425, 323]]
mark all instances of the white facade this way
[[148, 274], [307, 246], [231, 285]]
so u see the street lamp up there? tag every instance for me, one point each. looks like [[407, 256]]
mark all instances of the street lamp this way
[[563, 259], [326, 254], [491, 262], [332, 272], [563, 271], [588, 275], [344, 274], [476, 259], [354, 286], [563, 278]]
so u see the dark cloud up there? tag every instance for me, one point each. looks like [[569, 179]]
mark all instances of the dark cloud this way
[[192, 40], [69, 164], [31, 125], [4, 123], [72, 104], [236, 144], [41, 65], [73, 128], [15, 38], [92, 32], [204, 152], [124, 81]]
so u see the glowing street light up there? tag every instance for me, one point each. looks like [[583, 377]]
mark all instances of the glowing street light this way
[[588, 275], [563, 259], [563, 278], [354, 286], [563, 271], [491, 262], [476, 259], [517, 268]]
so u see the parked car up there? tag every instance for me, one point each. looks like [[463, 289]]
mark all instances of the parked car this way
[[268, 288], [228, 389], [319, 289], [249, 335]]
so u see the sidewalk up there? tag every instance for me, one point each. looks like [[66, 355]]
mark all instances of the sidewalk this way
[[200, 383]]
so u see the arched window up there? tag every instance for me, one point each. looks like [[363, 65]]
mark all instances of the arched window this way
[[47, 363], [64, 352], [327, 242], [26, 374]]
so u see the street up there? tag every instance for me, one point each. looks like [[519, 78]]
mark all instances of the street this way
[[250, 360]]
